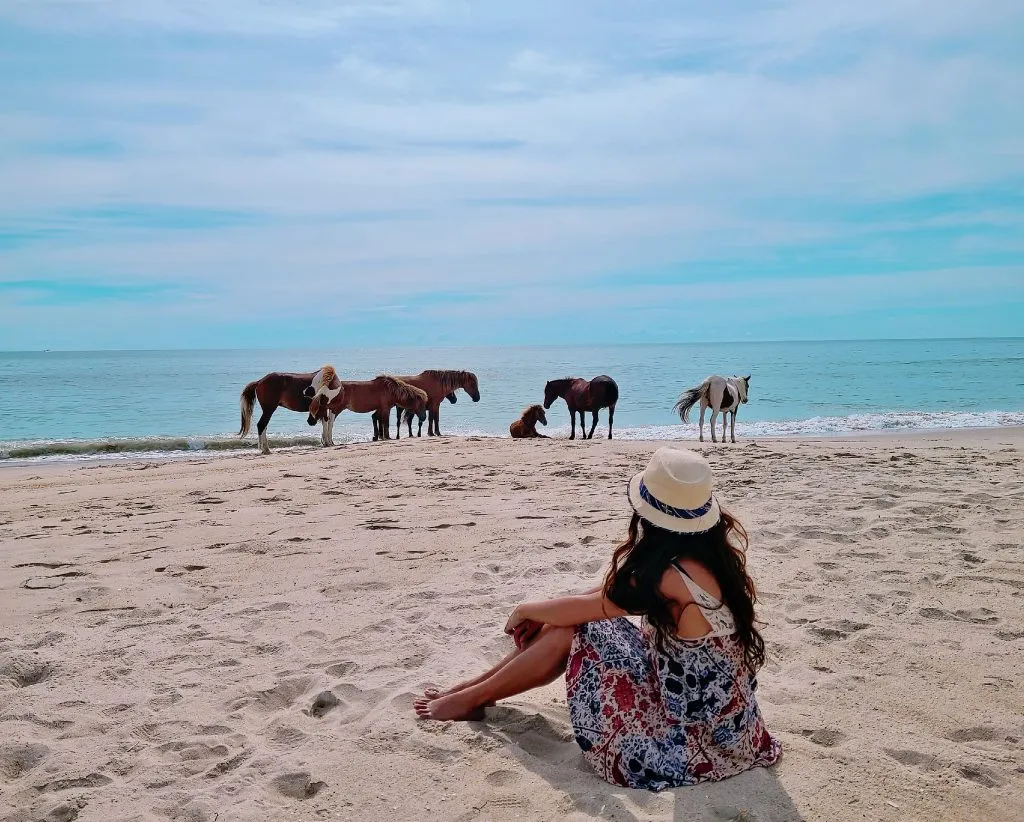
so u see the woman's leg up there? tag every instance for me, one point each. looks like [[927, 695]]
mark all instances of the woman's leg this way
[[541, 662], [434, 693]]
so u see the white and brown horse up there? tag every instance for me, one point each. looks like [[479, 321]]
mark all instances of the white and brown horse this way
[[279, 389], [724, 394]]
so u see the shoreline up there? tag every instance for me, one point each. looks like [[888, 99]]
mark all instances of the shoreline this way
[[1012, 433]]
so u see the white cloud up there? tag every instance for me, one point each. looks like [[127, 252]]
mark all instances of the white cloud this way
[[642, 135]]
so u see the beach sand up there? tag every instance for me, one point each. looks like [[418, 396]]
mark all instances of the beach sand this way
[[242, 638]]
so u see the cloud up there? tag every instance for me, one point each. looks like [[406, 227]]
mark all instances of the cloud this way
[[283, 152]]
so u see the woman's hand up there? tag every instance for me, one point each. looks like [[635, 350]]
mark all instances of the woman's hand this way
[[521, 628]]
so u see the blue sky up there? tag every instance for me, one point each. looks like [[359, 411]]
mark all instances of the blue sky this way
[[279, 173]]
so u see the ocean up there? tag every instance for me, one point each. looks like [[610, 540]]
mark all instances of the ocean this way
[[96, 404]]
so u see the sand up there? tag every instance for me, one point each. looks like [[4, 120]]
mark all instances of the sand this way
[[242, 638]]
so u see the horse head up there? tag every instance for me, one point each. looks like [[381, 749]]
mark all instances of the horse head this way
[[538, 414], [550, 392], [452, 398], [471, 386], [743, 383], [316, 410]]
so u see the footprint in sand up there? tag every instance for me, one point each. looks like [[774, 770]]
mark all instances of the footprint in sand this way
[[19, 758], [914, 759], [982, 774], [980, 733], [24, 672], [323, 703], [826, 737], [298, 785]]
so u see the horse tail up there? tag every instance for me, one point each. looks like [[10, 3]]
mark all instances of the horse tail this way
[[247, 401], [688, 399], [613, 394]]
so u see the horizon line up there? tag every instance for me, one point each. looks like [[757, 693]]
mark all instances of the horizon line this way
[[497, 345]]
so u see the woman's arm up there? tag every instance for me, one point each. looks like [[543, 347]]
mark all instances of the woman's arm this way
[[566, 611]]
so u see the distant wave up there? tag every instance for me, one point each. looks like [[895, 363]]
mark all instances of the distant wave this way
[[170, 447], [831, 426], [136, 446]]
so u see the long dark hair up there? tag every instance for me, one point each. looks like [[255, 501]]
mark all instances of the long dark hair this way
[[634, 580]]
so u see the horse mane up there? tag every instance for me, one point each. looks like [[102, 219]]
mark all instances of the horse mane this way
[[535, 410], [327, 375], [450, 379], [403, 394], [562, 382]]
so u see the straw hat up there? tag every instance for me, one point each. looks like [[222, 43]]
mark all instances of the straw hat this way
[[674, 492]]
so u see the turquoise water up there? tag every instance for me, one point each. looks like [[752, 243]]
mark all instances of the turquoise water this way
[[74, 404]]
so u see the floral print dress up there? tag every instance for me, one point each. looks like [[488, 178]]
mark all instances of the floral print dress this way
[[651, 719]]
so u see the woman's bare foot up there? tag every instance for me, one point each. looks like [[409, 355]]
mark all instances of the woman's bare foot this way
[[457, 707], [437, 693]]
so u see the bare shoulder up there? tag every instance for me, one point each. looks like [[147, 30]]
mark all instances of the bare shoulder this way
[[673, 588], [703, 577]]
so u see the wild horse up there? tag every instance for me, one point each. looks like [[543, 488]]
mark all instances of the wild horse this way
[[525, 427], [377, 396], [406, 415], [279, 389], [720, 394], [440, 384], [584, 395]]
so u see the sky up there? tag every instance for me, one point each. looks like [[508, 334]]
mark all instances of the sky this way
[[292, 173]]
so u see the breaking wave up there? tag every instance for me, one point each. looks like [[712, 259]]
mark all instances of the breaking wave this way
[[179, 447]]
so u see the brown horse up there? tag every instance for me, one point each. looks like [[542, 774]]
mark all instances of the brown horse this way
[[584, 395], [439, 384], [278, 390], [526, 426], [407, 415], [377, 396]]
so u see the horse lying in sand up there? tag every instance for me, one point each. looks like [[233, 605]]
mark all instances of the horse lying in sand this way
[[724, 394], [526, 426], [584, 395], [278, 389], [377, 396]]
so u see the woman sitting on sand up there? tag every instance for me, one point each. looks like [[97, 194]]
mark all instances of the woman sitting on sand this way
[[670, 703]]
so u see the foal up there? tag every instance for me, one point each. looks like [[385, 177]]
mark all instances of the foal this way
[[526, 426]]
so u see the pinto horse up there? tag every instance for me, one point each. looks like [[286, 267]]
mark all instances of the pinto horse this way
[[439, 384], [377, 396], [584, 395], [720, 394], [279, 389], [525, 427]]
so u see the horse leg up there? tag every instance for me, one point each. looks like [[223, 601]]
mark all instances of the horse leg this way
[[734, 425], [261, 428], [433, 413], [611, 419], [331, 417], [703, 408], [714, 422], [725, 423], [385, 420], [572, 423], [593, 425]]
